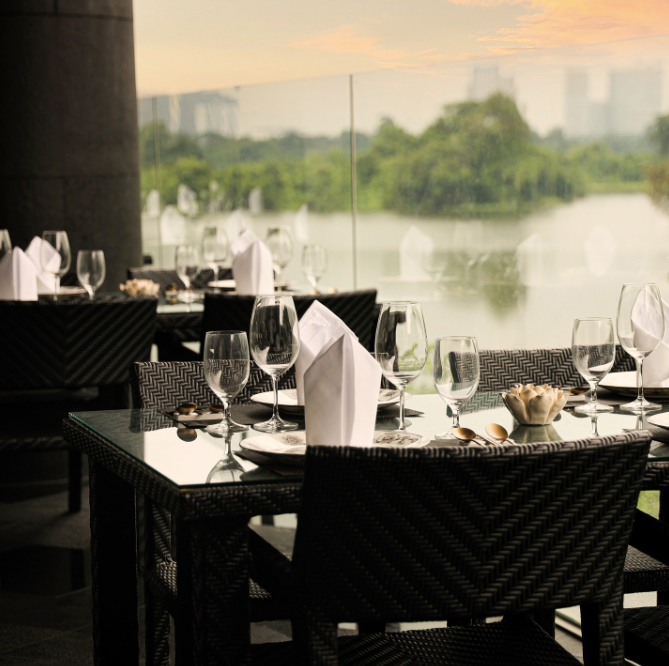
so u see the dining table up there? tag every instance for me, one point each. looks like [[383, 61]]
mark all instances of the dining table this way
[[212, 492]]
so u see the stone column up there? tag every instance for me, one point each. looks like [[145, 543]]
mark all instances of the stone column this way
[[69, 155]]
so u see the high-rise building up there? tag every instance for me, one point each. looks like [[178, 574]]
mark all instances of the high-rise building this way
[[577, 101], [487, 81], [635, 100]]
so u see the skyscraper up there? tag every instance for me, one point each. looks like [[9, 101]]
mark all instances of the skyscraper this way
[[486, 81], [577, 100], [635, 100]]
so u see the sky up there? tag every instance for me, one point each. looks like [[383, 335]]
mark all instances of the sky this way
[[429, 46]]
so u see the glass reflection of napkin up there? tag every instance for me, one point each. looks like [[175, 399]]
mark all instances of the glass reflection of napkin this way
[[18, 279], [645, 320], [342, 393], [319, 328], [252, 265]]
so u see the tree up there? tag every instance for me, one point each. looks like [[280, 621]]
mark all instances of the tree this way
[[659, 134]]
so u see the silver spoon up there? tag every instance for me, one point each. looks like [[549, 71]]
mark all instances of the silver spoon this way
[[467, 435], [497, 432]]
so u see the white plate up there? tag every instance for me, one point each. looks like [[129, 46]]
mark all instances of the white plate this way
[[290, 447], [661, 420], [231, 284], [288, 399], [624, 383]]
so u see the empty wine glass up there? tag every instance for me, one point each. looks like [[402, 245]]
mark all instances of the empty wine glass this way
[[280, 243], [55, 256], [275, 344], [640, 329], [593, 352], [226, 369], [188, 268], [224, 470], [91, 270], [314, 263], [5, 243], [214, 248], [456, 371], [401, 346]]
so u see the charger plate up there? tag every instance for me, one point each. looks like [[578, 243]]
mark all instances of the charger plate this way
[[624, 383]]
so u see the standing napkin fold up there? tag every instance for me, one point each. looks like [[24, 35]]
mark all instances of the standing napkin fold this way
[[252, 265], [342, 395], [18, 281], [319, 328], [45, 282], [656, 365]]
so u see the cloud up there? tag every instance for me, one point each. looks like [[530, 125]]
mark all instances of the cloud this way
[[347, 40], [556, 23]]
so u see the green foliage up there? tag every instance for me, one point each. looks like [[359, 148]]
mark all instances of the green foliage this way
[[658, 178], [605, 166], [659, 134]]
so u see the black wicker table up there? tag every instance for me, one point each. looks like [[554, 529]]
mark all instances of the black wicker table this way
[[144, 451]]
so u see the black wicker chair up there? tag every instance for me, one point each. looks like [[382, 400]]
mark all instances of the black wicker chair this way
[[457, 533], [58, 357], [502, 368], [166, 277], [357, 309]]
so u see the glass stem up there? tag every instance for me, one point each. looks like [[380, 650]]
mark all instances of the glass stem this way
[[639, 379], [56, 285], [402, 424], [593, 394], [275, 387], [456, 416], [226, 410]]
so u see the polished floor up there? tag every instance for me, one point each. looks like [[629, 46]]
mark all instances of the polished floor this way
[[45, 593]]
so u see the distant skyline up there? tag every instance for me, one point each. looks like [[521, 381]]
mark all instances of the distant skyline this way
[[207, 44]]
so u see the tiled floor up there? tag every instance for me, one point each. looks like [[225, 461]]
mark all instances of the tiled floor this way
[[45, 594]]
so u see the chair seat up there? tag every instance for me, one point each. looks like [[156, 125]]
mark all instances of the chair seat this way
[[494, 644], [162, 582], [647, 635], [644, 574]]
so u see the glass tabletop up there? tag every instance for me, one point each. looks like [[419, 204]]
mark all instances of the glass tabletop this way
[[193, 457]]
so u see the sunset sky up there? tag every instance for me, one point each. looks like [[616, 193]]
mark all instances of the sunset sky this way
[[204, 44]]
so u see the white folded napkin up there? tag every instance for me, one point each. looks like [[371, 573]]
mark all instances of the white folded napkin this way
[[319, 328], [45, 281], [252, 265], [644, 321], [18, 281], [342, 395]]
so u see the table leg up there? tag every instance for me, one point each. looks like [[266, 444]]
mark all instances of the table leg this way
[[114, 565], [663, 597], [212, 579]]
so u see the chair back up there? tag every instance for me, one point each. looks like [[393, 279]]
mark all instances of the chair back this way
[[165, 385], [73, 344], [438, 533], [502, 368], [355, 308], [166, 277]]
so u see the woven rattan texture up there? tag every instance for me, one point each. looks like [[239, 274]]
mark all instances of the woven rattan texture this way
[[165, 385], [647, 635], [167, 277], [501, 368], [355, 308], [644, 574], [73, 344]]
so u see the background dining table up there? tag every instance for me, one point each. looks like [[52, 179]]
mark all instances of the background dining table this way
[[145, 451]]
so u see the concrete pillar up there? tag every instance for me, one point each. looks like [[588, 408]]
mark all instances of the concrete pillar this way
[[69, 155]]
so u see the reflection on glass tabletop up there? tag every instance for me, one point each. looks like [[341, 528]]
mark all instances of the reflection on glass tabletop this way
[[186, 456]]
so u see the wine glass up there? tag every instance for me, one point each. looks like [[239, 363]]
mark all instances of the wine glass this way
[[91, 270], [224, 470], [401, 346], [226, 369], [57, 263], [314, 263], [640, 329], [214, 248], [5, 243], [188, 268], [280, 243], [456, 371], [275, 344], [593, 352]]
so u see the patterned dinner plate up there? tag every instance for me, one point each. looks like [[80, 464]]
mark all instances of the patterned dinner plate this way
[[290, 447], [231, 284], [624, 383], [288, 399]]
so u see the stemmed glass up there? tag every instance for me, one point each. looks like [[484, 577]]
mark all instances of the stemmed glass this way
[[188, 268], [275, 344], [593, 352], [280, 243], [5, 243], [59, 263], [401, 346], [91, 270], [456, 371], [314, 263], [640, 329], [226, 467], [214, 248], [226, 369]]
